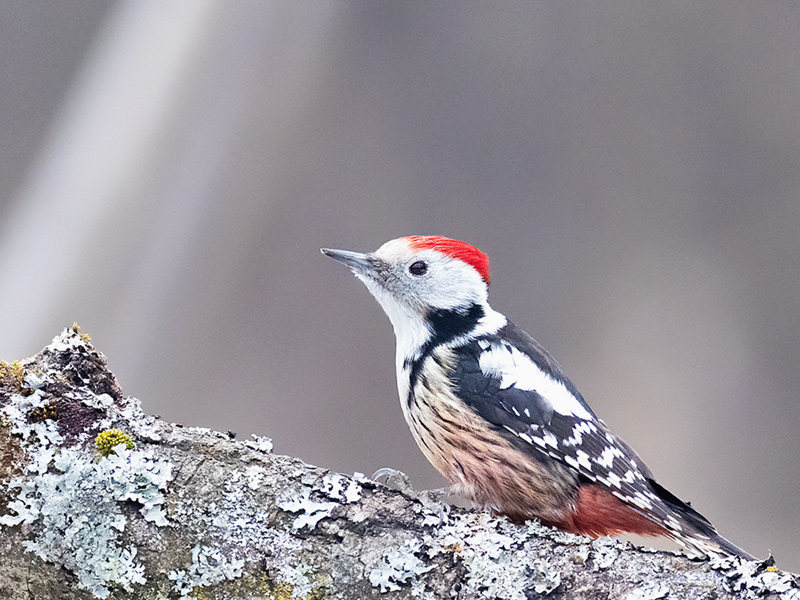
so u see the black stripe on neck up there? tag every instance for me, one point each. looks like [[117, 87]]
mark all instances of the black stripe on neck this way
[[449, 324], [445, 325]]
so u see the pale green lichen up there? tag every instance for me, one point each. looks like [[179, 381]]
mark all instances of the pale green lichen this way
[[752, 579], [649, 591], [260, 444], [18, 411], [311, 512], [398, 567], [303, 587], [209, 566], [127, 410], [107, 440], [487, 548], [230, 518], [339, 487], [72, 504], [73, 511]]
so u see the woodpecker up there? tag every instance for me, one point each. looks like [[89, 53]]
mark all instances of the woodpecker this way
[[497, 416]]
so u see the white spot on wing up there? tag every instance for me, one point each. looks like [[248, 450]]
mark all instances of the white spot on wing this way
[[673, 522], [583, 460], [607, 457], [515, 369], [550, 439], [577, 433]]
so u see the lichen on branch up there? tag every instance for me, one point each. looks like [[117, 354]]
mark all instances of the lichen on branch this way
[[100, 500]]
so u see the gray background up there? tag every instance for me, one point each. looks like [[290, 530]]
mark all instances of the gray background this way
[[168, 172]]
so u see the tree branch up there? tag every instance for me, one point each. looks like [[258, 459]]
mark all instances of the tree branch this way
[[191, 512]]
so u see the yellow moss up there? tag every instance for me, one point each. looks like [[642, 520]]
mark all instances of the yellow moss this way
[[454, 548], [285, 591], [106, 440], [77, 329], [48, 411], [260, 586], [12, 374], [771, 569]]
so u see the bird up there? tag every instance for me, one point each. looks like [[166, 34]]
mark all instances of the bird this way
[[495, 413]]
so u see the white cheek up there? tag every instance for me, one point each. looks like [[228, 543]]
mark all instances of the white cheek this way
[[453, 285], [409, 326]]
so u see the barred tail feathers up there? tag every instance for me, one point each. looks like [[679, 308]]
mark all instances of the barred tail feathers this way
[[698, 535]]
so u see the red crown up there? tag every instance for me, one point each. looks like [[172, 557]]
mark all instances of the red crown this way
[[454, 248]]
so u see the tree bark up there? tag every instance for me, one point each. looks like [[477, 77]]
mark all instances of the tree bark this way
[[191, 512]]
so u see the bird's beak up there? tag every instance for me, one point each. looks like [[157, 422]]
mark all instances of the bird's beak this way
[[357, 261]]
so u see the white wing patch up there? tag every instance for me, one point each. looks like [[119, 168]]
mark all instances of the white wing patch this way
[[514, 368], [577, 433], [586, 445], [607, 457], [584, 460]]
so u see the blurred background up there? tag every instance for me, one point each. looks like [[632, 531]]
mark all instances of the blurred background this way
[[169, 171]]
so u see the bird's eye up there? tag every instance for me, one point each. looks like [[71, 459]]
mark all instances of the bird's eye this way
[[418, 268]]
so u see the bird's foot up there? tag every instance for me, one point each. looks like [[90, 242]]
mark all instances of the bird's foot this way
[[394, 479]]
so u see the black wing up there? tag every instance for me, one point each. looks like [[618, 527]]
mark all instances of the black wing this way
[[511, 381]]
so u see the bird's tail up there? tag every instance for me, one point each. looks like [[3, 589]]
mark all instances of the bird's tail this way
[[697, 534], [714, 544]]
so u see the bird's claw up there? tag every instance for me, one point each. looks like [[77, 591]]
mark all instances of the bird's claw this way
[[393, 479]]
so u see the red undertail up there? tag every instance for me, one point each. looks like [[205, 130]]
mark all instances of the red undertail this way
[[599, 512]]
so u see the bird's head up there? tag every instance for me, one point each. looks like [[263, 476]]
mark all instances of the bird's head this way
[[417, 279]]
